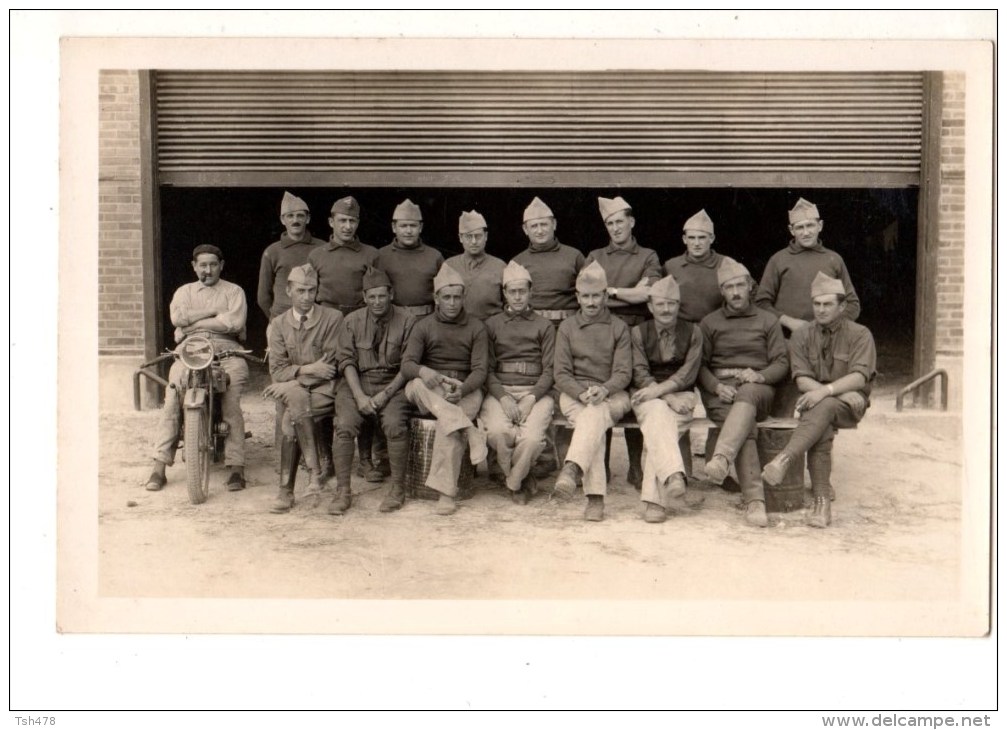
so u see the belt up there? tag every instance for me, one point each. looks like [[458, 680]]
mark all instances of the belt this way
[[419, 310], [728, 372], [554, 314], [521, 368], [456, 374]]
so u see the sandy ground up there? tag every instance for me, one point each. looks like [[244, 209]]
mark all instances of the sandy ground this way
[[895, 532]]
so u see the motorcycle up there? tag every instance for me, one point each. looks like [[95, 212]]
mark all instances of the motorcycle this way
[[203, 429]]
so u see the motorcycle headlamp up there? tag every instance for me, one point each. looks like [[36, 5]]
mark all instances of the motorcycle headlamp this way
[[196, 352]]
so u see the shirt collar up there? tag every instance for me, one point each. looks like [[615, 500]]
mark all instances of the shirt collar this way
[[312, 317], [833, 328], [526, 313], [286, 241], [795, 248], [631, 247], [552, 246], [604, 318], [353, 245]]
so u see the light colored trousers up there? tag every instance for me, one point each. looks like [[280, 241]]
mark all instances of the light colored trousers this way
[[230, 407], [518, 445], [587, 447], [450, 438], [661, 427]]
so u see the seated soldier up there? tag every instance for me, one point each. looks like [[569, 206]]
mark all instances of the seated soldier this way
[[667, 353], [215, 308], [593, 368], [371, 343], [833, 363], [445, 365], [744, 356], [302, 353], [518, 406]]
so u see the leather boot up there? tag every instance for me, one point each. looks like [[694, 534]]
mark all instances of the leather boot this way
[[380, 452], [307, 437], [674, 493], [752, 493], [396, 497], [342, 456], [595, 510], [776, 470], [566, 482], [820, 468], [326, 432], [289, 456]]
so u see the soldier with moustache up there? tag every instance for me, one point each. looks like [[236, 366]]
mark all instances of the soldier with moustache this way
[[479, 270], [293, 249]]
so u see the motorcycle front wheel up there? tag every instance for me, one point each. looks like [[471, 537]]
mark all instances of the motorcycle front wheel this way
[[197, 454]]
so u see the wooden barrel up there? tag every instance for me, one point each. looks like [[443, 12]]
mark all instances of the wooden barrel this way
[[788, 496], [421, 449]]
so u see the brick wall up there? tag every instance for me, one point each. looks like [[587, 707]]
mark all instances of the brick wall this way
[[120, 265], [951, 245]]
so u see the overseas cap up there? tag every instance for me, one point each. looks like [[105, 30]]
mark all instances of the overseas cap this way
[[471, 221], [537, 209], [304, 275], [803, 210], [407, 210], [699, 222], [207, 248], [515, 272], [592, 279], [292, 204], [825, 284], [666, 288], [346, 206], [730, 269], [610, 207], [374, 278], [447, 277]]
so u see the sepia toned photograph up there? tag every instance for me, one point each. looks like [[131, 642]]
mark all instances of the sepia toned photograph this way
[[557, 338]]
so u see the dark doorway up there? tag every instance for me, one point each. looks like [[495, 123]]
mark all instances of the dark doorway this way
[[874, 230]]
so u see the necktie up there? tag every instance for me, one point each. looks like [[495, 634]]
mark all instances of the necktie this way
[[302, 318], [380, 327], [827, 353], [666, 345]]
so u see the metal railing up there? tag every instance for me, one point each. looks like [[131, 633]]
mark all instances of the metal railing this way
[[938, 373]]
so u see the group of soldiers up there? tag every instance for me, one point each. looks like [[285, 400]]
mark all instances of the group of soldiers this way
[[361, 340]]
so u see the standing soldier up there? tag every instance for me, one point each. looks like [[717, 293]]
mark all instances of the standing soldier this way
[[445, 365], [293, 249], [371, 344], [667, 352], [835, 389], [630, 269], [552, 265], [518, 406], [744, 356], [696, 269], [480, 271], [341, 264], [790, 272], [302, 356], [411, 265], [593, 368]]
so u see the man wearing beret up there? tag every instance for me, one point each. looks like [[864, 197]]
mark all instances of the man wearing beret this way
[[293, 249], [744, 356], [518, 406], [216, 309], [696, 269], [833, 362], [787, 278], [410, 264], [445, 364], [593, 368], [371, 343], [302, 357], [480, 271], [552, 265], [340, 264], [667, 353], [630, 269]]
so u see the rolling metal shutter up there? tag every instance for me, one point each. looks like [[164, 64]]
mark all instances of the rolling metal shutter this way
[[640, 129]]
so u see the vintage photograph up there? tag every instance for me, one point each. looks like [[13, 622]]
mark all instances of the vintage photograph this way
[[640, 333]]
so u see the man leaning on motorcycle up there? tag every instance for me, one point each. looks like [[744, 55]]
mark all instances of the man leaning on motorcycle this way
[[216, 309]]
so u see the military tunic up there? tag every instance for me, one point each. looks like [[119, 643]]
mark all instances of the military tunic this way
[[482, 276], [277, 261], [340, 268], [786, 283], [292, 344], [553, 272], [698, 281], [412, 272], [625, 266]]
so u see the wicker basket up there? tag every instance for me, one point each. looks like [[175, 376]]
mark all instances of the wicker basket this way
[[421, 448]]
